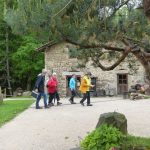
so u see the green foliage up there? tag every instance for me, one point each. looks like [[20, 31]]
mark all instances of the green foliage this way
[[89, 22], [106, 137], [21, 50], [30, 61], [14, 42], [103, 138], [10, 109]]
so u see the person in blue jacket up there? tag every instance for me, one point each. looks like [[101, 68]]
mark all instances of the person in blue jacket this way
[[72, 86]]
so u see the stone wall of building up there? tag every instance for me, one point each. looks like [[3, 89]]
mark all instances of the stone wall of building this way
[[108, 79], [57, 60]]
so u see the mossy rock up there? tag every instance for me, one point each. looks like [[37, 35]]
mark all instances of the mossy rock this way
[[115, 119]]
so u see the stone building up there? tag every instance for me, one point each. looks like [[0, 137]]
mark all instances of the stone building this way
[[117, 81]]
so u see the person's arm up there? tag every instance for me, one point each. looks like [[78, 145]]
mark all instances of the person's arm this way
[[37, 84]]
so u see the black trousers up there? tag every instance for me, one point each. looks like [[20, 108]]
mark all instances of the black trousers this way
[[86, 96], [73, 94], [53, 96]]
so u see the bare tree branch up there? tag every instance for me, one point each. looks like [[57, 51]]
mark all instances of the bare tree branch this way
[[147, 55], [98, 64], [95, 46], [116, 9], [62, 9]]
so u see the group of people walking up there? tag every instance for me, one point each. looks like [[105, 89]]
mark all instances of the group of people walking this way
[[48, 89]]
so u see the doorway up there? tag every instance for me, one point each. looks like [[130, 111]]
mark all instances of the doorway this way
[[122, 83]]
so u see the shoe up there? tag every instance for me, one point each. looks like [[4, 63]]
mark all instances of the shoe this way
[[51, 104], [38, 107], [70, 101], [46, 107], [58, 103], [82, 103], [89, 105]]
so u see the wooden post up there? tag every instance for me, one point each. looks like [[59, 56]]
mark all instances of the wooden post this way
[[1, 95], [5, 92]]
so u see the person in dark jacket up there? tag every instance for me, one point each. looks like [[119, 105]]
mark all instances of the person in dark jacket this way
[[40, 88]]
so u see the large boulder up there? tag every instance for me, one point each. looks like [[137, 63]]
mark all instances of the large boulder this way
[[115, 119], [26, 93]]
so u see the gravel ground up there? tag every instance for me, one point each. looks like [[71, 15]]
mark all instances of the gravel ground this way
[[62, 127]]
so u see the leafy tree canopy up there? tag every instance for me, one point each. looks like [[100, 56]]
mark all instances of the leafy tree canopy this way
[[116, 25], [86, 21]]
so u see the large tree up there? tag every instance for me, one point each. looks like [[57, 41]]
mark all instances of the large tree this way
[[12, 49], [93, 25]]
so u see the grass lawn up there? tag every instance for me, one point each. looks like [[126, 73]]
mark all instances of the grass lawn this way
[[10, 109], [133, 141]]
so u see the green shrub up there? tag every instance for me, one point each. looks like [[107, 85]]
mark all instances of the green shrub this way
[[103, 138]]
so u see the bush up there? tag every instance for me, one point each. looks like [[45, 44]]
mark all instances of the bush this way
[[103, 138]]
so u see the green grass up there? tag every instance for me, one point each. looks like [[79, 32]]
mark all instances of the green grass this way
[[10, 109], [1, 102], [21, 97], [133, 141]]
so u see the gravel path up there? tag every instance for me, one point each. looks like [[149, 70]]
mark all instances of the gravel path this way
[[61, 128]]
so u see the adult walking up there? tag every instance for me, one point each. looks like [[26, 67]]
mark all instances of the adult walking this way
[[72, 86], [52, 90], [40, 88], [85, 88]]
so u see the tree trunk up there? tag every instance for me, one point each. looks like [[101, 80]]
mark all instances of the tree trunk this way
[[146, 4], [146, 64], [29, 83], [7, 62]]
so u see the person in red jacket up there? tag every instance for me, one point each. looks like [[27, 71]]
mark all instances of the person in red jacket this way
[[52, 90]]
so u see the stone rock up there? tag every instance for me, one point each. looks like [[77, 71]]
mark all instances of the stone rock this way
[[19, 91], [115, 119], [26, 93]]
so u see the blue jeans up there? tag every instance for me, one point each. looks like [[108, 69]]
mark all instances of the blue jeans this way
[[44, 95]]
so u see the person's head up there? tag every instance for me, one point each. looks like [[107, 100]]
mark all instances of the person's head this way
[[48, 73], [89, 74], [73, 76], [44, 71], [54, 76]]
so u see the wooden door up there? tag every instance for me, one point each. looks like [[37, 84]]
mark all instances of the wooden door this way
[[122, 80]]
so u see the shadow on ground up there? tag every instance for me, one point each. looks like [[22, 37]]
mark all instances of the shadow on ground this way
[[77, 148]]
